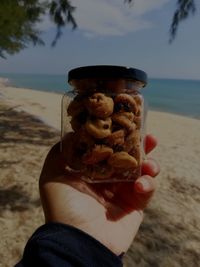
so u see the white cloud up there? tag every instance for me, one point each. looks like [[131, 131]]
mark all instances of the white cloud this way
[[140, 7], [109, 18]]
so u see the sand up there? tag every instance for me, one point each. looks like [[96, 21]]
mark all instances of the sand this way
[[170, 233]]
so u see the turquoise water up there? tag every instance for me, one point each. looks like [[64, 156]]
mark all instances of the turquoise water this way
[[174, 96], [41, 82], [168, 95]]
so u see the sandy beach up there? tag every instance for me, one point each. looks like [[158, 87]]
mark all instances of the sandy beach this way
[[30, 125]]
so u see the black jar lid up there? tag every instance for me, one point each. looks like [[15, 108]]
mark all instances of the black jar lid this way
[[107, 71]]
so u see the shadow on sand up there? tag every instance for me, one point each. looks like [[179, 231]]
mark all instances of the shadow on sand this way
[[15, 199], [20, 127]]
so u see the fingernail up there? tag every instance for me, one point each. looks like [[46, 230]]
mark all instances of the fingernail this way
[[154, 165], [143, 184]]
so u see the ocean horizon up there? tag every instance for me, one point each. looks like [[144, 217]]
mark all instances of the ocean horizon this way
[[176, 96]]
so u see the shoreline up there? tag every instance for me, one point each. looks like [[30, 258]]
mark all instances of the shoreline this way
[[37, 103], [37, 98], [176, 132]]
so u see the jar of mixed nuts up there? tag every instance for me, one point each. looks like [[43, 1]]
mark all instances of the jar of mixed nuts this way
[[103, 123]]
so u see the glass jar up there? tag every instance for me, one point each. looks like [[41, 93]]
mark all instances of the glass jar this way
[[103, 123]]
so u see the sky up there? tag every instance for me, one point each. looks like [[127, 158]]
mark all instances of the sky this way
[[116, 33]]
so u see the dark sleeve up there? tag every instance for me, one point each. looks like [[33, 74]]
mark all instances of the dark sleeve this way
[[59, 245]]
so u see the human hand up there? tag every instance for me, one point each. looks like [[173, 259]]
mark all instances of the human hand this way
[[110, 212]]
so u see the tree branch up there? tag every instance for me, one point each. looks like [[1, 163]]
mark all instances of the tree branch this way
[[61, 12], [185, 8]]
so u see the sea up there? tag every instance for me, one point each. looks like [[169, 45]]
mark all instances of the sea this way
[[176, 96]]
